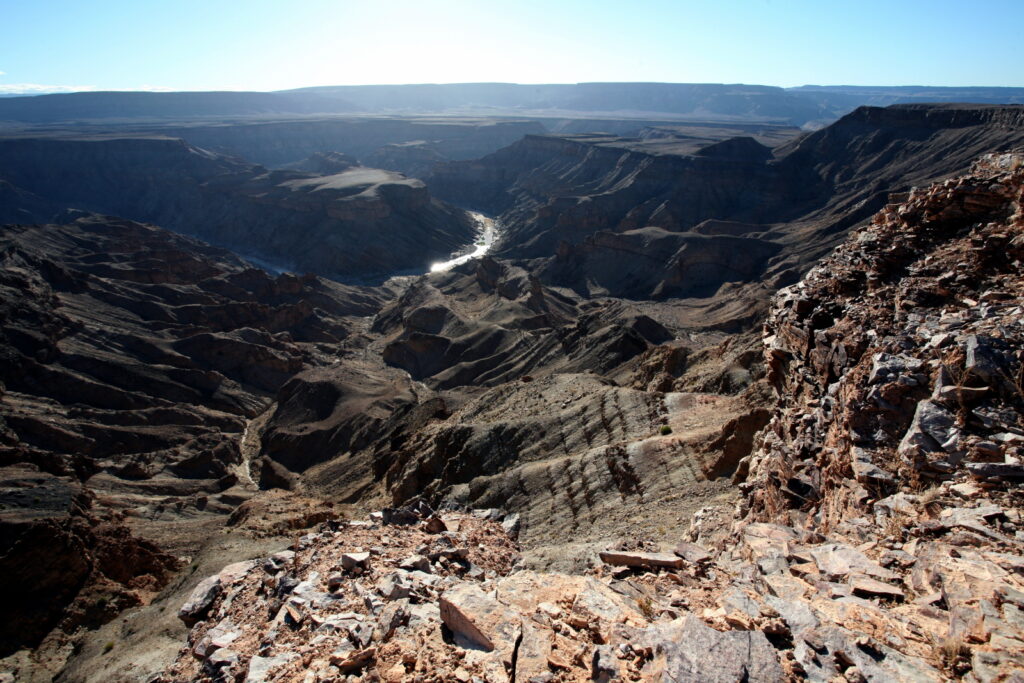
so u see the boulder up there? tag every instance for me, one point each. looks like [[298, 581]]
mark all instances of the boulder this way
[[353, 560], [837, 561], [692, 553], [200, 600], [478, 619]]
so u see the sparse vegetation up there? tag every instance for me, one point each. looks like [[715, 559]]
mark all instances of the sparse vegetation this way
[[665, 429], [954, 656], [646, 607], [929, 501], [108, 646]]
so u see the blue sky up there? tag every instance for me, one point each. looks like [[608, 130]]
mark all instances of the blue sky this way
[[271, 45]]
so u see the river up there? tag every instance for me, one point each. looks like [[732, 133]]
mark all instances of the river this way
[[486, 235]]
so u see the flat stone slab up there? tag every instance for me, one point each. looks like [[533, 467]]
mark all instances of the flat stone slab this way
[[692, 553], [868, 587], [643, 560]]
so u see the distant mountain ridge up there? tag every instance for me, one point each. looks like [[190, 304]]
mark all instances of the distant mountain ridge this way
[[809, 104]]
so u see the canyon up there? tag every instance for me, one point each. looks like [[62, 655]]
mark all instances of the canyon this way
[[716, 386]]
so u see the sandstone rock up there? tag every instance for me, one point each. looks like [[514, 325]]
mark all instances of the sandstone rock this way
[[887, 367], [867, 587], [692, 553], [394, 586], [532, 653], [932, 430], [352, 660], [221, 658], [865, 469], [605, 666], [965, 490], [838, 561], [415, 563], [220, 636], [996, 471], [434, 525], [512, 525], [985, 359]]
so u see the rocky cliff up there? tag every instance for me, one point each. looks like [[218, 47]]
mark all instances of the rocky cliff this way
[[898, 431], [586, 203], [352, 224]]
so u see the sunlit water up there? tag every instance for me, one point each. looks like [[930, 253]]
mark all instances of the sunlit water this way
[[485, 238]]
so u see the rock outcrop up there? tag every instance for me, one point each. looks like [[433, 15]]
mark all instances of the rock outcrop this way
[[446, 606], [895, 448]]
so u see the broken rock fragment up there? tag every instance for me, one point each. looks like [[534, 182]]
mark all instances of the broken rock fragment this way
[[641, 560]]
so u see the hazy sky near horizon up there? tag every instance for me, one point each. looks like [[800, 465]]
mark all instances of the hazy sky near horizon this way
[[48, 45]]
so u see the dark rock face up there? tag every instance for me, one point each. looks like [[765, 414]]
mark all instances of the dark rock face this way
[[416, 159], [325, 413], [131, 362], [918, 316], [354, 223], [653, 263], [580, 201], [549, 189]]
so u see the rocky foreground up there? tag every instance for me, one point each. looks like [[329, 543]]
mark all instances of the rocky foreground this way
[[879, 536]]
